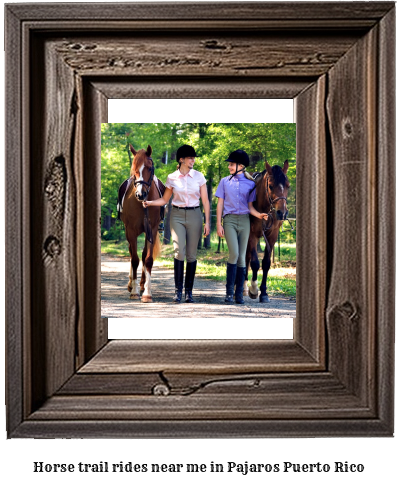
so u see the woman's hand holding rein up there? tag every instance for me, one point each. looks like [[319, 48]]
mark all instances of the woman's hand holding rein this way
[[160, 201], [261, 216]]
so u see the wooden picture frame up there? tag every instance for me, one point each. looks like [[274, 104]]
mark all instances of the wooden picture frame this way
[[335, 378]]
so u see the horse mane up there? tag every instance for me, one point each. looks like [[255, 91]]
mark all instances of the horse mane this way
[[278, 176], [258, 176]]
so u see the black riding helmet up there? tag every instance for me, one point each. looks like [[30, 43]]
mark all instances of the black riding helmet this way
[[185, 151], [239, 157]]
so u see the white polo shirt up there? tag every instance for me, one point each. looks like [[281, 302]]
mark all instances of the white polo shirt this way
[[186, 188]]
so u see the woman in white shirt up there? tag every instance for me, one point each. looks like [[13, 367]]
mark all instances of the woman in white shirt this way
[[187, 187]]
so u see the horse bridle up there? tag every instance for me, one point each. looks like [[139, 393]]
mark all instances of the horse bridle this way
[[147, 222], [272, 208], [147, 183], [271, 201]]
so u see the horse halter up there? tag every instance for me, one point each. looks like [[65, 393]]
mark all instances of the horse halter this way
[[147, 221], [271, 201], [147, 183], [268, 226]]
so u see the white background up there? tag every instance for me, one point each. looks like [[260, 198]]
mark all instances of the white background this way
[[200, 111], [378, 455]]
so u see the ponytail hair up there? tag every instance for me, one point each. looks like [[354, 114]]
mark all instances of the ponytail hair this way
[[248, 176]]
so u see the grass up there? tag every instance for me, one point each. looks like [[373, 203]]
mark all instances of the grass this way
[[211, 265], [118, 248]]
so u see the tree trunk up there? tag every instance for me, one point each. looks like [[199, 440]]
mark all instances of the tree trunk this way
[[107, 222]]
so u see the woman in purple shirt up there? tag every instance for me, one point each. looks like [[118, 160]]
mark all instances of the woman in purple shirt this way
[[236, 195]]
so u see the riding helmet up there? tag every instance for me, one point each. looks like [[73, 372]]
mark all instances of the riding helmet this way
[[239, 157], [185, 151]]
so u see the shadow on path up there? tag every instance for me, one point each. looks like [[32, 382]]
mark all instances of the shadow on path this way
[[208, 294]]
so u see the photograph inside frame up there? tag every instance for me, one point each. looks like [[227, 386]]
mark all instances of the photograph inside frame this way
[[198, 220]]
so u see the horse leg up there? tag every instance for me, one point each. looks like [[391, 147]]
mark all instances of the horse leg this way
[[147, 267], [143, 276], [134, 263], [130, 283], [247, 260], [264, 298], [254, 261]]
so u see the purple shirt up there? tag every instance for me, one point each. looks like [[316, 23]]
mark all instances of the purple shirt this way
[[235, 192]]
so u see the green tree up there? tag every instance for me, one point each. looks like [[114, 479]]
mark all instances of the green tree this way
[[213, 142]]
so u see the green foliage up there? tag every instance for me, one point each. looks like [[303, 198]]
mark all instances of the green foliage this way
[[116, 232], [212, 141]]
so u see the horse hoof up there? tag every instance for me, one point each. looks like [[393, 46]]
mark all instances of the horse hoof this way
[[264, 299], [146, 299], [252, 296], [135, 297]]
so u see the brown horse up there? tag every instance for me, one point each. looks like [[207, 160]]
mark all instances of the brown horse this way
[[271, 197], [138, 220]]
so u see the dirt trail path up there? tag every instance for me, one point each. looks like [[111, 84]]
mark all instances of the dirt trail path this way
[[208, 295]]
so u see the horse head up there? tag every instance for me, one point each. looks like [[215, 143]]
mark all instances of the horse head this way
[[276, 189], [142, 171]]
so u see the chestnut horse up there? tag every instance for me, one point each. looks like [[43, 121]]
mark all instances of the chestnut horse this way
[[271, 197], [138, 220]]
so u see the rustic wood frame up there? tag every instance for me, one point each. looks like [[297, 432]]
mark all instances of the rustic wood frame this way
[[64, 379]]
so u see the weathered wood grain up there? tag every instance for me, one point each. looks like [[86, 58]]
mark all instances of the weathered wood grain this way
[[228, 25], [95, 329], [176, 87], [184, 384], [200, 408], [311, 218], [17, 298], [203, 55], [192, 428], [52, 213], [139, 384], [360, 13], [200, 356], [385, 224], [351, 109], [53, 250]]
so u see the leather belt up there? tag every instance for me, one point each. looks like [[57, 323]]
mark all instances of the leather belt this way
[[185, 207]]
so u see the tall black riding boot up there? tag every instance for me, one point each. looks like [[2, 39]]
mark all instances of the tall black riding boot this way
[[179, 273], [240, 279], [230, 281], [188, 285]]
